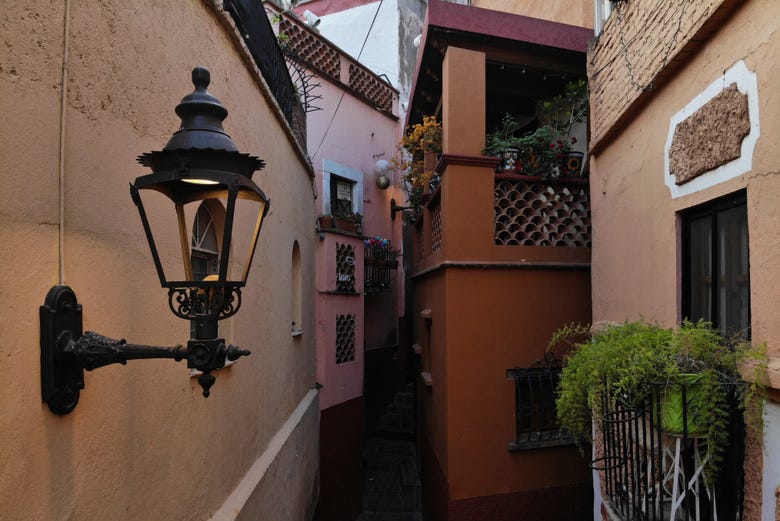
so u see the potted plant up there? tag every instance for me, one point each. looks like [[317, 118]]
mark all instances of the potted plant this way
[[417, 157], [561, 113], [352, 222], [326, 221], [630, 361], [504, 143]]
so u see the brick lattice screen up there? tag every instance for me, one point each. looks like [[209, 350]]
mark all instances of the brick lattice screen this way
[[345, 268], [542, 214], [345, 338]]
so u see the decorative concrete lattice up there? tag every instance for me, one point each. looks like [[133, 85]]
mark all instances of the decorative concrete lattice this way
[[436, 229], [366, 84], [310, 49], [345, 338], [345, 268], [542, 214]]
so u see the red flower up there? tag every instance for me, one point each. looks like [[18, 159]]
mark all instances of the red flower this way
[[573, 139], [552, 145]]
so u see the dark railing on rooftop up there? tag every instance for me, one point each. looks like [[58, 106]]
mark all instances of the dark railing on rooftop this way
[[536, 421], [649, 475], [252, 22]]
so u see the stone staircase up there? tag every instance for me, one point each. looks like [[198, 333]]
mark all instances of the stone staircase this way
[[391, 488]]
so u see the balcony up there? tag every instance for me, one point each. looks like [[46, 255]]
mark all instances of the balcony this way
[[650, 475]]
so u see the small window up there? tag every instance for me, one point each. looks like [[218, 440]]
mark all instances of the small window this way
[[716, 283], [536, 420], [341, 196]]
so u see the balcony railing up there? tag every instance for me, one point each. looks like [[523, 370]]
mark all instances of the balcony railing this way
[[536, 423], [650, 475], [253, 24], [533, 211], [380, 261]]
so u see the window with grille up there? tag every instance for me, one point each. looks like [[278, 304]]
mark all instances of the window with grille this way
[[716, 280], [536, 421], [341, 195], [345, 338]]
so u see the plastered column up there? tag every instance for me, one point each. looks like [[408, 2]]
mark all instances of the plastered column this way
[[463, 102], [467, 185]]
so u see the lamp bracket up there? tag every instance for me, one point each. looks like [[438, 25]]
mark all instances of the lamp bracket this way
[[66, 352], [394, 209]]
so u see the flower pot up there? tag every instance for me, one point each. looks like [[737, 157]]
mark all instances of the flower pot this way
[[572, 164], [508, 158], [672, 407], [326, 222]]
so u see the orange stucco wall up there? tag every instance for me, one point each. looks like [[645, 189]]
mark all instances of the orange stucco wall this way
[[142, 429], [480, 309], [636, 248]]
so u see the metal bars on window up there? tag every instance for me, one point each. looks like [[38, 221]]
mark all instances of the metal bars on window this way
[[536, 423]]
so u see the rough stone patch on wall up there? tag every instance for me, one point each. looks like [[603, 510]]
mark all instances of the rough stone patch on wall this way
[[711, 137]]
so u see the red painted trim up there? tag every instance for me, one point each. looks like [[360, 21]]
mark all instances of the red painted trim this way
[[509, 26], [454, 159]]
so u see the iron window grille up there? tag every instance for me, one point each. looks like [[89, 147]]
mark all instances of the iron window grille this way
[[536, 421]]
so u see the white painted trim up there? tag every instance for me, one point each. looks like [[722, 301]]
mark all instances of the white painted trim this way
[[356, 176], [771, 478], [747, 83], [243, 491]]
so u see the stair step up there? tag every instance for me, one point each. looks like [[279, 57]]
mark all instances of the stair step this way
[[390, 516], [403, 448]]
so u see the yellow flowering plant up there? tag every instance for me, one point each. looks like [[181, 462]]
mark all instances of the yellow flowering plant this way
[[420, 138]]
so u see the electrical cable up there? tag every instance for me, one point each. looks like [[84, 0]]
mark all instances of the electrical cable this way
[[333, 117]]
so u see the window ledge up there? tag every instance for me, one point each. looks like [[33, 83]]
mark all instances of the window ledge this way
[[427, 378], [295, 333], [417, 348]]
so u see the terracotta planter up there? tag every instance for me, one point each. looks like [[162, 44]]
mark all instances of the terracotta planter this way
[[326, 222]]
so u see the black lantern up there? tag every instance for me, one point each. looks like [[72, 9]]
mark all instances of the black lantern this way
[[200, 165]]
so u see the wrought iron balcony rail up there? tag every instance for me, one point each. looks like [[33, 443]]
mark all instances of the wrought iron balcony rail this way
[[651, 475], [536, 422], [379, 261], [253, 24]]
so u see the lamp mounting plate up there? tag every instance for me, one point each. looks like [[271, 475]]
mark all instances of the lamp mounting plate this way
[[62, 377]]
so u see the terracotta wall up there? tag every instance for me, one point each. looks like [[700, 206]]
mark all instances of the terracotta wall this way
[[636, 250], [143, 429]]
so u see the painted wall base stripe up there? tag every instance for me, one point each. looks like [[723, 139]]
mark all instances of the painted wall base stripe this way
[[241, 494]]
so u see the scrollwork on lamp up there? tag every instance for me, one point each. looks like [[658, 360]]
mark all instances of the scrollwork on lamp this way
[[199, 163]]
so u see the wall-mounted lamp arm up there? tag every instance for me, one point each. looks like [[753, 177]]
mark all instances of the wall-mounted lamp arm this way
[[93, 350], [66, 352], [394, 209]]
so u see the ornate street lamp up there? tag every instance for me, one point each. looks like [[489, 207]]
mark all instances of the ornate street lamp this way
[[199, 165]]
